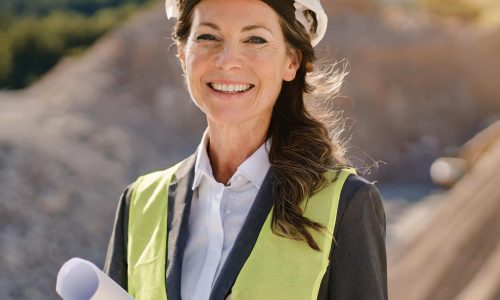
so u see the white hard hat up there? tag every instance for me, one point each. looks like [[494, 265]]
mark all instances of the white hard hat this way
[[315, 24]]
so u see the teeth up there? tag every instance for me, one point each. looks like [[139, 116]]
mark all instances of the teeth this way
[[230, 88]]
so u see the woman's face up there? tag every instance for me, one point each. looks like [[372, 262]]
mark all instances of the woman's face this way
[[235, 60]]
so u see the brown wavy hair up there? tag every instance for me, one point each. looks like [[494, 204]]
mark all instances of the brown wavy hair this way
[[305, 141]]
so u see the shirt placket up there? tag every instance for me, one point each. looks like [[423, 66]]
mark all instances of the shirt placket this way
[[215, 243]]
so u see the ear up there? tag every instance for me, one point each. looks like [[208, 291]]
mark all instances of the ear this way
[[181, 55], [293, 64]]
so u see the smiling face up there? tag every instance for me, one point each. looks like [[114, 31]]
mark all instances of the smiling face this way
[[235, 59]]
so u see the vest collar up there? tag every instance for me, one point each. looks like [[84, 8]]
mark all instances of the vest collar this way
[[180, 195]]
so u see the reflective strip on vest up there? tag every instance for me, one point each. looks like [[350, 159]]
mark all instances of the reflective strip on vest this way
[[277, 268]]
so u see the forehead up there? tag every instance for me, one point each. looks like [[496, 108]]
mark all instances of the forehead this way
[[235, 12]]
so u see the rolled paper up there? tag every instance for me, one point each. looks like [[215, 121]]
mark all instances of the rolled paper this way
[[79, 279]]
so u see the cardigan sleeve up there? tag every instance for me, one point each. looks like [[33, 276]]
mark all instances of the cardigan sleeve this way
[[115, 264], [358, 267]]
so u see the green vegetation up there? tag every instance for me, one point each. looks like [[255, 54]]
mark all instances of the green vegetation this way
[[34, 35], [45, 7]]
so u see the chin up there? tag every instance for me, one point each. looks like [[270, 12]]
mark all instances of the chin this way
[[228, 117]]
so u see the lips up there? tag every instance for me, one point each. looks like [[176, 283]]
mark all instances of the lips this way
[[230, 88]]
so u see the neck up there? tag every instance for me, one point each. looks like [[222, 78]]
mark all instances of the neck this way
[[230, 145]]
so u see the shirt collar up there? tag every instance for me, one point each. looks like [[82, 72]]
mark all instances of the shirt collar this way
[[202, 165], [254, 168]]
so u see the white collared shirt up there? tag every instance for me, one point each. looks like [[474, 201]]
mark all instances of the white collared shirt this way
[[216, 217]]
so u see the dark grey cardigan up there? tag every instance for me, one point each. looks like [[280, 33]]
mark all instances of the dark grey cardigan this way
[[357, 270]]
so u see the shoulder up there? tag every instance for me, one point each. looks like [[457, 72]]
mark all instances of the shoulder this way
[[358, 264], [150, 180], [360, 202], [356, 185]]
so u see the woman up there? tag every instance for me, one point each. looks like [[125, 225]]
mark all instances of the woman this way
[[267, 207]]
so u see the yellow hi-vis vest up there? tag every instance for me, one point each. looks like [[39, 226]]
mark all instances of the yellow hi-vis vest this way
[[277, 268]]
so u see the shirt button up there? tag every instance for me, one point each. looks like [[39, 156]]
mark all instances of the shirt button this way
[[228, 211]]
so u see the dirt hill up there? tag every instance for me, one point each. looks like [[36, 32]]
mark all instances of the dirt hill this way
[[418, 87], [70, 144]]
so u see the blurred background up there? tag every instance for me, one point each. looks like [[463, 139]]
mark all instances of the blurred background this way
[[92, 97]]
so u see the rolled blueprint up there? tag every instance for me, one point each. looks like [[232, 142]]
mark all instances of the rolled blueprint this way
[[80, 279]]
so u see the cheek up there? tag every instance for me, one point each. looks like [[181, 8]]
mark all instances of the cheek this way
[[270, 75], [196, 64], [269, 66], [197, 58]]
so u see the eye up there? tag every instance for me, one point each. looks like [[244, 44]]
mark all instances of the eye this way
[[257, 40], [206, 37]]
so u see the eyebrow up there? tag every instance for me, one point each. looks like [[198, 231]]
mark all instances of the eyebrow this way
[[246, 28]]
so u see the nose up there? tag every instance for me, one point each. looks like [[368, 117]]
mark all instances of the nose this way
[[228, 58]]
